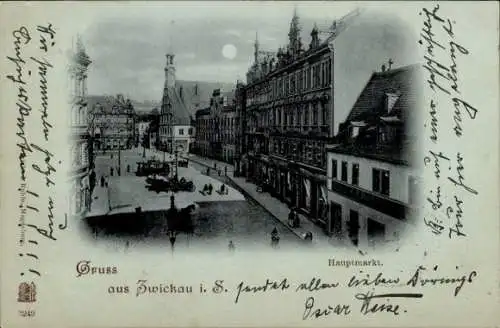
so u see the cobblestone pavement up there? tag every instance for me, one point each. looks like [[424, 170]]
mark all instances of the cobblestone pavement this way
[[244, 222]]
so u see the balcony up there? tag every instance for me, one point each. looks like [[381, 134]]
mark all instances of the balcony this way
[[372, 200]]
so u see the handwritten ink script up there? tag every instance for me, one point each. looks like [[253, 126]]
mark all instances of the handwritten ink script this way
[[372, 292], [448, 107], [31, 71]]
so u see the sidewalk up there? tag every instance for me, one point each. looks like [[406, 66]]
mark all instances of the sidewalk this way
[[100, 202], [280, 211], [210, 163]]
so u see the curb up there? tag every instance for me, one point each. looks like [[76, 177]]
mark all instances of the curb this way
[[266, 209], [204, 164]]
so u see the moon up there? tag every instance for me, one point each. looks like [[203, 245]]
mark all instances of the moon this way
[[229, 51]]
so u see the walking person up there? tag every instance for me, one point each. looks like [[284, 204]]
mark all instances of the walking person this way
[[225, 171], [275, 238], [231, 246]]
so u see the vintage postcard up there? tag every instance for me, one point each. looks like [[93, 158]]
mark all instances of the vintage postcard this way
[[248, 164]]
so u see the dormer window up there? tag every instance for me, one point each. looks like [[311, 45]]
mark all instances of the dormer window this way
[[354, 131], [355, 128], [390, 101]]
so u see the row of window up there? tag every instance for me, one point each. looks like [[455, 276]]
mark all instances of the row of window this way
[[190, 131], [168, 130], [380, 178], [308, 152], [227, 122], [306, 115], [306, 78]]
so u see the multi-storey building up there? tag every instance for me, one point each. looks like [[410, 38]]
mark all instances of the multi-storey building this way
[[296, 99], [81, 148], [240, 145], [141, 129], [176, 130], [372, 186], [216, 127], [202, 140], [154, 129], [112, 120]]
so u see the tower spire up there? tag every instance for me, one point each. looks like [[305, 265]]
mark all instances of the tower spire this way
[[294, 34], [170, 42], [256, 47]]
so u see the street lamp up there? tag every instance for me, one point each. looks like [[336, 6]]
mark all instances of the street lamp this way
[[171, 218], [172, 236], [178, 149]]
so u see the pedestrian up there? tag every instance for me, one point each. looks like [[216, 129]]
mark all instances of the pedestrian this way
[[275, 238], [225, 171], [219, 172], [231, 246], [92, 181], [102, 181], [215, 166], [210, 189], [296, 219], [291, 221], [222, 189]]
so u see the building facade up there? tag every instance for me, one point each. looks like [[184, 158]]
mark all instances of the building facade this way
[[176, 129], [142, 129], [372, 186], [202, 124], [112, 120], [216, 127], [81, 154], [240, 123], [295, 100]]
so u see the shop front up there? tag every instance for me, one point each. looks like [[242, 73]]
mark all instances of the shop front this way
[[312, 197]]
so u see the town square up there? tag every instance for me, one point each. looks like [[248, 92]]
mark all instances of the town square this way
[[309, 145]]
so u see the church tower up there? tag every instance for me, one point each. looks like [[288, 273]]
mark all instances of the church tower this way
[[256, 49], [295, 44], [170, 71]]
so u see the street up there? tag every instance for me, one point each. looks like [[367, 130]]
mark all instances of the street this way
[[217, 221]]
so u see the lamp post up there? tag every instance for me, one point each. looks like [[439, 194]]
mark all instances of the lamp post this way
[[172, 216], [177, 150], [172, 236]]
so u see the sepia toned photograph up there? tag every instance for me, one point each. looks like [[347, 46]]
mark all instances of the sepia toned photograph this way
[[292, 134]]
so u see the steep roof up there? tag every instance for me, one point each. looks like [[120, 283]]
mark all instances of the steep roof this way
[[371, 111], [181, 115], [371, 102], [197, 94]]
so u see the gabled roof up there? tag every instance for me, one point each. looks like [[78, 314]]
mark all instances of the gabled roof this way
[[181, 115], [370, 104], [371, 108]]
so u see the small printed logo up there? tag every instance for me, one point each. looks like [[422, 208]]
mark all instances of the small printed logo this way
[[27, 292]]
